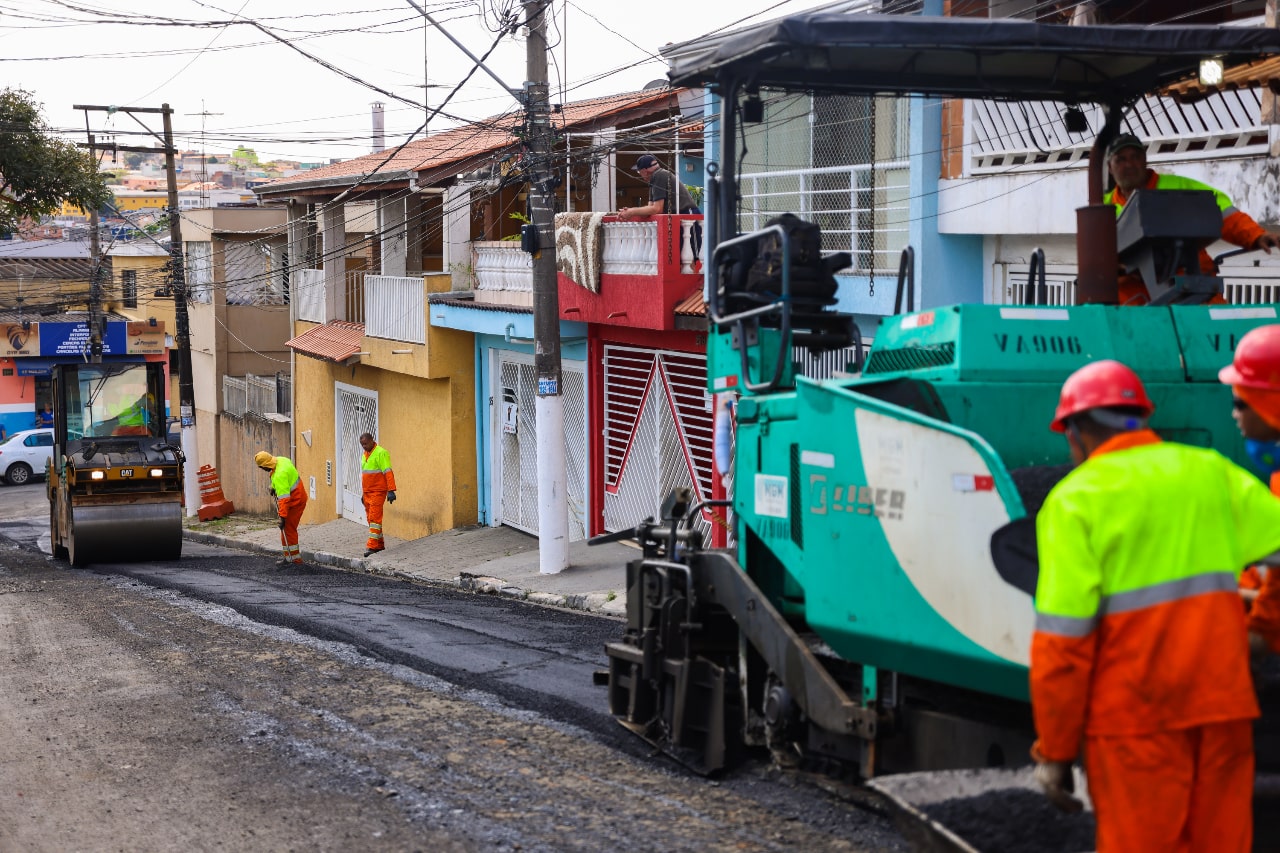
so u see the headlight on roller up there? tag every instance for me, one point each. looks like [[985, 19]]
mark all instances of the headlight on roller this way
[[157, 472], [97, 475]]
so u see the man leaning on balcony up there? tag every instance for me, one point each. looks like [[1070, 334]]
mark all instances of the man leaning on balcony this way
[[1127, 162], [662, 186]]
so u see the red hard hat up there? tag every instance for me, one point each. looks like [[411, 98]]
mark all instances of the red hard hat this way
[[1099, 385], [1257, 361]]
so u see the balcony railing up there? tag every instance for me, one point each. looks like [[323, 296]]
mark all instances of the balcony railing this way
[[863, 209], [1241, 286], [503, 273], [395, 308], [353, 296], [631, 248], [1003, 137]]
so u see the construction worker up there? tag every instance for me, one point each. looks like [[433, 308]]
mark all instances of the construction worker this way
[[1140, 653], [130, 410], [377, 486], [1127, 163], [1254, 377], [291, 500]]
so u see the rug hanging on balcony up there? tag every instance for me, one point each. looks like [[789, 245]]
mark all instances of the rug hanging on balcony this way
[[580, 248]]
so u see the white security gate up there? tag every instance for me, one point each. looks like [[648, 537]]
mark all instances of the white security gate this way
[[515, 443], [357, 413], [658, 432]]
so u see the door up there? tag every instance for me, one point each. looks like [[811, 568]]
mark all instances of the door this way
[[515, 444], [357, 413]]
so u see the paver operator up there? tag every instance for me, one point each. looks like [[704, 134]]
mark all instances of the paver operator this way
[[1254, 377], [1127, 163], [1140, 652], [291, 501], [377, 486]]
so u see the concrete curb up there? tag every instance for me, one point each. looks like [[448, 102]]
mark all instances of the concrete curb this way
[[598, 603]]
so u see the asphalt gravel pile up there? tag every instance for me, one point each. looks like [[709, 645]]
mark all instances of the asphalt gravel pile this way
[[1035, 482], [1014, 820]]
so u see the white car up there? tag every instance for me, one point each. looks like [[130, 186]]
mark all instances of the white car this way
[[25, 453]]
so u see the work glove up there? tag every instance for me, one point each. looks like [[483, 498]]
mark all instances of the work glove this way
[[282, 522], [1058, 783], [391, 497]]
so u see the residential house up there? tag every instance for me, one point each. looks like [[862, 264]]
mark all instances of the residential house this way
[[48, 275], [975, 187], [429, 217], [238, 304]]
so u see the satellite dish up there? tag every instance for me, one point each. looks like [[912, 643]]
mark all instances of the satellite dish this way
[[656, 84]]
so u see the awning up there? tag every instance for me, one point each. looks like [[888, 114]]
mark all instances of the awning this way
[[1003, 58], [34, 366], [44, 366], [334, 341]]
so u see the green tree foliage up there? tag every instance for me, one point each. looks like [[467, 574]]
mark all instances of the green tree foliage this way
[[38, 171], [245, 157], [133, 160]]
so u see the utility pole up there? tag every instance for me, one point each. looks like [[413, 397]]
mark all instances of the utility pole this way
[[178, 285], [553, 510], [96, 326]]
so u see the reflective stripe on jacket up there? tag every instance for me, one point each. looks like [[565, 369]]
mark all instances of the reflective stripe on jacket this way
[[375, 471], [1238, 227], [1139, 625], [286, 484]]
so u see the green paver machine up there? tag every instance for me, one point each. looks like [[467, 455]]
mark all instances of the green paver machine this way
[[875, 614]]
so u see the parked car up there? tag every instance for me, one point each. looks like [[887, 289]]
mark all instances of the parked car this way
[[26, 453]]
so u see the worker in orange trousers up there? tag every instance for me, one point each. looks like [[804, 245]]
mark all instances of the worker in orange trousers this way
[[377, 487], [291, 501], [1140, 653]]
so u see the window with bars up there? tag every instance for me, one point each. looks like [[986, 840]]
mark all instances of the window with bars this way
[[839, 161], [129, 288]]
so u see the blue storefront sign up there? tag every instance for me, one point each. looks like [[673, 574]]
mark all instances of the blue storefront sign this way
[[72, 339]]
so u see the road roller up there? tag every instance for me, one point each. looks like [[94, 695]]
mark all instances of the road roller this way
[[114, 481]]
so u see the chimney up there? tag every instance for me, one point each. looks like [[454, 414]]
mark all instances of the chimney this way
[[379, 128]]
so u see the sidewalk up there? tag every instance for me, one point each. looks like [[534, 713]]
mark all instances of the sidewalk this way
[[481, 559]]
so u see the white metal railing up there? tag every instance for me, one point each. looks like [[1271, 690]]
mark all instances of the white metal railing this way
[[395, 308], [630, 248], [1003, 137], [863, 209], [308, 294], [353, 296], [261, 395], [1009, 281], [503, 272]]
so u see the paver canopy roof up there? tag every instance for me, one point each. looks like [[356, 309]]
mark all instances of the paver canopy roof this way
[[1003, 58]]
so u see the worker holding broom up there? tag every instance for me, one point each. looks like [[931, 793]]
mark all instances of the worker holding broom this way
[[291, 501]]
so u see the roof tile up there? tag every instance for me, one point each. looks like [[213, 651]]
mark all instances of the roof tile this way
[[461, 143], [336, 340]]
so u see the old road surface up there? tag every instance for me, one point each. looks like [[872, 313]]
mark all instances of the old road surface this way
[[217, 703]]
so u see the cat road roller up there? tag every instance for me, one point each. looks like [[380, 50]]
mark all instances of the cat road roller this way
[[114, 482]]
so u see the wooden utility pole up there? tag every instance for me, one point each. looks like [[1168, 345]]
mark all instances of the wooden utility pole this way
[[553, 508], [178, 286]]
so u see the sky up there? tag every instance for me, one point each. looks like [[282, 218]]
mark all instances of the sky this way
[[234, 73]]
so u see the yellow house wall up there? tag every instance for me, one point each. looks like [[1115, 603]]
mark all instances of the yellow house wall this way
[[426, 424]]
